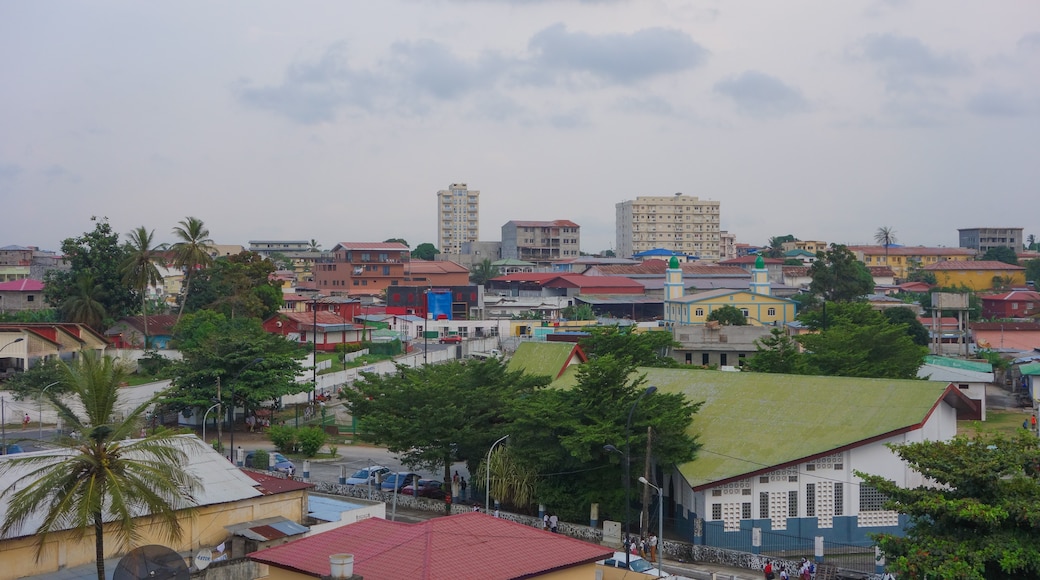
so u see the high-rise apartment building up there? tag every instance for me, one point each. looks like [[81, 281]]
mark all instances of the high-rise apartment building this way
[[680, 223], [458, 217], [541, 242], [985, 239]]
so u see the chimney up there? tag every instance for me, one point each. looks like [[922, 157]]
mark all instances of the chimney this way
[[341, 567]]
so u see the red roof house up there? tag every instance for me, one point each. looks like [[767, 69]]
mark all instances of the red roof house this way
[[1013, 304], [467, 545]]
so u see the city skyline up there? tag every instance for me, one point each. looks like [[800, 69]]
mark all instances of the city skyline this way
[[341, 121]]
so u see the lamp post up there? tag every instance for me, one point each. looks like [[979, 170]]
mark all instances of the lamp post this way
[[660, 521], [19, 339], [487, 476], [42, 393], [205, 415], [231, 423], [628, 476]]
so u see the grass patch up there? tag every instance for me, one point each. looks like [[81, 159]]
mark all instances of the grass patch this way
[[1006, 422]]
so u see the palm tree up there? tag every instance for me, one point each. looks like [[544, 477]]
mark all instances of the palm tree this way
[[139, 268], [315, 246], [483, 272], [885, 236], [192, 252], [86, 304], [103, 476]]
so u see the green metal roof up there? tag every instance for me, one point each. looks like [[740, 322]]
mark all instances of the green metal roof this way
[[541, 358], [956, 363], [1030, 369], [754, 421]]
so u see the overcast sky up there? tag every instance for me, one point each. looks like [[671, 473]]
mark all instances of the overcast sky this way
[[340, 120]]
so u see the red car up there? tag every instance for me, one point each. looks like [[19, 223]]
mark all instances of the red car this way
[[452, 339], [427, 488]]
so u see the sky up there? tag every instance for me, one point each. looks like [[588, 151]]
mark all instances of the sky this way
[[340, 120]]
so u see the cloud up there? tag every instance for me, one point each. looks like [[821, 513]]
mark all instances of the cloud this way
[[616, 58], [9, 173], [903, 62], [760, 95], [998, 103], [58, 172], [647, 105], [1030, 41]]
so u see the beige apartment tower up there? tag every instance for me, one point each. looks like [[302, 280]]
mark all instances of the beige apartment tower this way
[[458, 217], [681, 223]]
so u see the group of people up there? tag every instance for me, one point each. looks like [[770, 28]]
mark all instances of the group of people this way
[[645, 547], [255, 422], [806, 570], [551, 522], [458, 486]]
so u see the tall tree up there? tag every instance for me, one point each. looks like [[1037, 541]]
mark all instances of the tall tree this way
[[97, 254], [914, 329], [838, 276], [314, 246], [1033, 270], [777, 353], [1001, 254], [191, 252], [775, 247], [401, 241], [728, 316], [642, 349], [425, 251], [85, 302], [859, 341], [239, 285], [139, 269], [978, 515], [105, 475], [482, 272], [885, 236]]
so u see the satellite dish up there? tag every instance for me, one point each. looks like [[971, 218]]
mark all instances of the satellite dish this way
[[151, 562], [203, 558]]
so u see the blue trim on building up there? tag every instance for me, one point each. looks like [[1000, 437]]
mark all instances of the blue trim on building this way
[[844, 531]]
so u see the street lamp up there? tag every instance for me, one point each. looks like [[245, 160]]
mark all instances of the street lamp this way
[[487, 476], [660, 521], [204, 416], [628, 476], [42, 393], [231, 424]]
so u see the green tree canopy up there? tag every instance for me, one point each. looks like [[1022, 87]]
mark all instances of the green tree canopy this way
[[728, 316], [977, 518], [401, 241], [139, 269], [580, 312], [778, 353], [215, 348], [191, 252], [425, 251], [914, 329], [1001, 254], [838, 276], [643, 349], [102, 475], [1033, 270], [236, 286], [482, 272], [94, 280]]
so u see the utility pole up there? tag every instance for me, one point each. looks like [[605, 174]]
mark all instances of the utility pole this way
[[645, 521], [220, 414]]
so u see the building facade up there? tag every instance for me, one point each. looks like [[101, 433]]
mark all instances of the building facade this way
[[906, 259], [362, 268], [681, 223], [984, 239], [756, 303], [541, 242], [458, 217]]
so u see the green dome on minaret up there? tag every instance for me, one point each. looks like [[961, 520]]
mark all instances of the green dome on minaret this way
[[673, 263], [760, 264]]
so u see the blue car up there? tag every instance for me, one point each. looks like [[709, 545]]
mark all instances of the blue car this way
[[281, 463], [397, 480]]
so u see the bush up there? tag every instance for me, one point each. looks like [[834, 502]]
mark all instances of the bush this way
[[261, 459], [283, 437], [311, 439]]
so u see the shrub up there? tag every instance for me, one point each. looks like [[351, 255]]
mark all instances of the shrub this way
[[261, 459], [283, 437], [311, 439]]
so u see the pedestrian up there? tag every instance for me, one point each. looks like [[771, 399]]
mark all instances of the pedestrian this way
[[26, 420], [804, 570], [783, 573], [644, 544], [462, 488], [1032, 421], [545, 522], [251, 422], [476, 508], [653, 547], [496, 512], [887, 575], [767, 572], [554, 523]]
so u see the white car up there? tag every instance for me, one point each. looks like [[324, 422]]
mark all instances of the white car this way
[[368, 475], [635, 563]]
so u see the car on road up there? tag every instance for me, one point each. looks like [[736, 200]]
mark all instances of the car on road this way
[[430, 488], [450, 339], [635, 563], [281, 462], [368, 475], [397, 480]]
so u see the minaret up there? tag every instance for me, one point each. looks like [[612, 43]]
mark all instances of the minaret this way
[[760, 278], [673, 283]]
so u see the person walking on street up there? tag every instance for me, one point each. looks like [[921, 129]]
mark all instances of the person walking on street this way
[[767, 572], [653, 547], [545, 522], [462, 488], [26, 420], [554, 523]]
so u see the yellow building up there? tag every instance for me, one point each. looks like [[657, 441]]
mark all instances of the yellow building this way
[[811, 246], [226, 497], [757, 303], [978, 275], [904, 259]]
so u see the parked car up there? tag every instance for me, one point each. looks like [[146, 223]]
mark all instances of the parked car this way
[[427, 488], [281, 462], [635, 563], [397, 480], [450, 339], [367, 475]]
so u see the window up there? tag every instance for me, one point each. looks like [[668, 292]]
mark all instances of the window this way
[[745, 312], [698, 312], [763, 504], [810, 467], [792, 504], [716, 511], [30, 298], [704, 359], [745, 491], [763, 479], [870, 499], [722, 359], [810, 500], [771, 311], [716, 493], [839, 498], [745, 510]]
